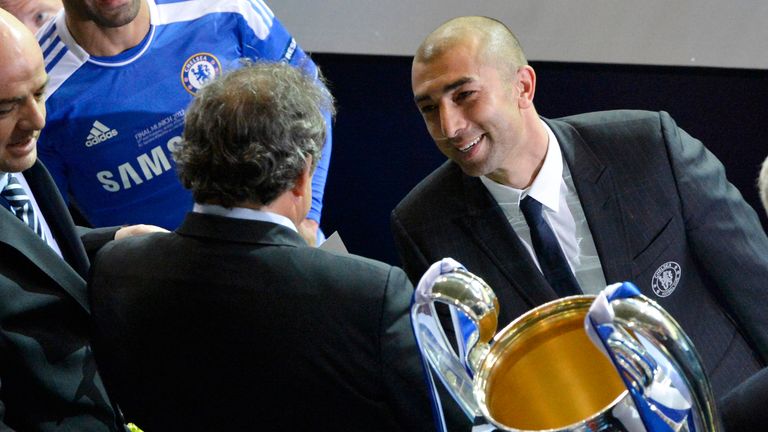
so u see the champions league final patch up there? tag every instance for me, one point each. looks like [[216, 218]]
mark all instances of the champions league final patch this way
[[666, 278], [198, 70]]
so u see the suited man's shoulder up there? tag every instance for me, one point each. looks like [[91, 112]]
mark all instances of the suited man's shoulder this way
[[617, 123], [433, 196], [123, 251], [600, 119], [351, 268]]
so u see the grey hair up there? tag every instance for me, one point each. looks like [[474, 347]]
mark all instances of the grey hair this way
[[762, 184], [248, 134]]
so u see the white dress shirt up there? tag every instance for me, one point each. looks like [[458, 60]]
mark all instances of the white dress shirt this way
[[561, 208]]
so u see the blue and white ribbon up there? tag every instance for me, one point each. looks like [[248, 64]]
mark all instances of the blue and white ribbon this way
[[431, 337], [663, 405]]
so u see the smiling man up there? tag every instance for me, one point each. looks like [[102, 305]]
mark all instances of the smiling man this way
[[47, 371], [48, 378], [544, 208]]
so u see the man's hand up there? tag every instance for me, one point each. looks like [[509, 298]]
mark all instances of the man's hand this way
[[308, 231], [134, 230]]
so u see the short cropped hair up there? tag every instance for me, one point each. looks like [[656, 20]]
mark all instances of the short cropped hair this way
[[248, 134], [498, 44], [762, 184]]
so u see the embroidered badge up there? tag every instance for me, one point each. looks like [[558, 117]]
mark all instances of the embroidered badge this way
[[198, 70], [666, 278]]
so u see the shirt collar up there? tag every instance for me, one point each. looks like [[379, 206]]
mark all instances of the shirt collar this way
[[19, 176], [545, 187], [3, 180], [244, 213]]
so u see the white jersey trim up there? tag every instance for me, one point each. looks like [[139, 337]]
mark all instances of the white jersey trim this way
[[258, 16], [129, 60], [62, 55]]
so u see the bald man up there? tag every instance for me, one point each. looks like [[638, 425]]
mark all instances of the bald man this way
[[624, 196], [48, 378]]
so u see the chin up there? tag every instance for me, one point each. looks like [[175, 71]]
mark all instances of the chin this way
[[472, 170], [18, 164]]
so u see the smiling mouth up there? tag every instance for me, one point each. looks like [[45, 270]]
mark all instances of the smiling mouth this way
[[471, 144], [22, 142]]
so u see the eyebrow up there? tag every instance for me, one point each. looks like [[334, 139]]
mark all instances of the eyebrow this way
[[447, 88], [20, 98], [11, 100]]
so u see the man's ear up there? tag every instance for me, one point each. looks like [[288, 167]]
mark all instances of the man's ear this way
[[300, 189], [526, 77]]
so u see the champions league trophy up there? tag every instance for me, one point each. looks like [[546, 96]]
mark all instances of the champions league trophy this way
[[615, 362]]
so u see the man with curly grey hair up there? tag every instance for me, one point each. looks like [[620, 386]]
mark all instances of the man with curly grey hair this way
[[232, 321]]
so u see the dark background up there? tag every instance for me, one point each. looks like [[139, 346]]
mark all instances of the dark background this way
[[381, 148]]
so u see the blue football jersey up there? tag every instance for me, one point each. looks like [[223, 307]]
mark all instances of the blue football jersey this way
[[113, 121]]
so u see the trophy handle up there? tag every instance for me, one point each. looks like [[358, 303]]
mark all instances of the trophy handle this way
[[475, 299], [656, 359]]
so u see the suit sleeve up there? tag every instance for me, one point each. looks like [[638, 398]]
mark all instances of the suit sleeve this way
[[743, 409], [95, 238], [724, 232], [404, 376], [47, 370]]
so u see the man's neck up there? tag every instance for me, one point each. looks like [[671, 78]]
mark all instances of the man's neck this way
[[104, 41], [283, 205], [523, 166]]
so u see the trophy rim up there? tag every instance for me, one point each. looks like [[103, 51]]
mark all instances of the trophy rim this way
[[510, 333]]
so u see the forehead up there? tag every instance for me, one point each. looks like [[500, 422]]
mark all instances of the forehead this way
[[23, 73], [459, 63]]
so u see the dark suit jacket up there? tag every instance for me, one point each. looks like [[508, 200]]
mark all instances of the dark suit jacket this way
[[651, 194], [47, 372], [230, 324]]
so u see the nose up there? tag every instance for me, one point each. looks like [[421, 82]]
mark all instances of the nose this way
[[32, 114], [451, 121]]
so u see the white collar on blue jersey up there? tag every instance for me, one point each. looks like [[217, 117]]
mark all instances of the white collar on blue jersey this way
[[244, 213]]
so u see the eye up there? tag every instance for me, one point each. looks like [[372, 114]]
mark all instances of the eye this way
[[463, 95], [427, 109], [42, 17]]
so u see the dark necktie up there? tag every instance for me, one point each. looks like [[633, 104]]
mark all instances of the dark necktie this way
[[553, 264], [21, 206]]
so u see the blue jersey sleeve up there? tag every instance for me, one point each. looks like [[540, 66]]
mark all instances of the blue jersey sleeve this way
[[321, 173], [53, 161], [279, 45]]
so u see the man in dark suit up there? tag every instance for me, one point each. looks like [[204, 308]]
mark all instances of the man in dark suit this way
[[48, 378], [233, 322], [627, 195]]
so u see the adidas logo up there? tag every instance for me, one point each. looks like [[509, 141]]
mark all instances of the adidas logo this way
[[99, 134]]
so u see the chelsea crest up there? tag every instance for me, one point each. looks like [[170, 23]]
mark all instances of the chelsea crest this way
[[666, 278], [198, 70]]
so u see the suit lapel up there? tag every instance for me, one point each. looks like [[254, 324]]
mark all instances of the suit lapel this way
[[488, 227], [18, 236], [57, 217], [597, 193]]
